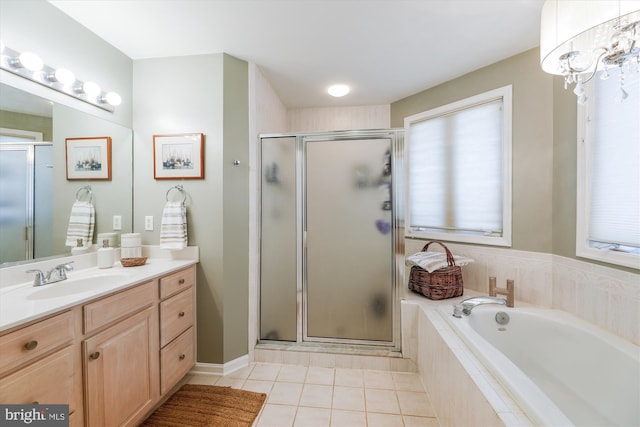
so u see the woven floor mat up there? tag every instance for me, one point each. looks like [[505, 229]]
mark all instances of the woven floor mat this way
[[206, 405]]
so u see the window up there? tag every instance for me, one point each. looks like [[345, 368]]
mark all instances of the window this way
[[608, 188], [459, 170]]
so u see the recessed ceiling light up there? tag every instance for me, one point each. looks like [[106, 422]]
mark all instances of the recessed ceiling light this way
[[338, 90]]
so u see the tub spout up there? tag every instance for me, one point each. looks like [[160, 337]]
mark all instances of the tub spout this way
[[467, 305]]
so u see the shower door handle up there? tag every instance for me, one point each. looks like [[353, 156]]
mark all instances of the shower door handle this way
[[304, 239]]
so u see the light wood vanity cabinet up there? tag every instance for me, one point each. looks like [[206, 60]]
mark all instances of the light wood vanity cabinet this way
[[177, 337], [112, 359], [38, 363], [120, 363]]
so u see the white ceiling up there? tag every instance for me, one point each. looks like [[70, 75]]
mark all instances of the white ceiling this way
[[384, 49]]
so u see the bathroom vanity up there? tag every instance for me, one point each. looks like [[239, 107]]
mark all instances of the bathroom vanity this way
[[112, 351]]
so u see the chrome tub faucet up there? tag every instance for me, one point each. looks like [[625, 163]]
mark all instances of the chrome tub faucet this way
[[469, 304], [56, 274]]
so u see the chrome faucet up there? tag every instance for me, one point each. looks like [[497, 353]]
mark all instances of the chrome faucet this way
[[469, 304], [59, 273]]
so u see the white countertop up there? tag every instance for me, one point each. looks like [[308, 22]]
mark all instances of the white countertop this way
[[23, 302]]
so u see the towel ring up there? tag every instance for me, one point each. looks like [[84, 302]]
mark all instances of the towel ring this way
[[87, 189], [180, 189]]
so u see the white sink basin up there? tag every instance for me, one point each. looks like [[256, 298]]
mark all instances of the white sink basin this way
[[76, 285]]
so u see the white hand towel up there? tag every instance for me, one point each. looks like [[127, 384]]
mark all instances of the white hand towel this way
[[81, 223], [432, 261], [173, 229]]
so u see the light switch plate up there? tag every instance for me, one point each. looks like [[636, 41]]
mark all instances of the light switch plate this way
[[148, 223], [117, 222]]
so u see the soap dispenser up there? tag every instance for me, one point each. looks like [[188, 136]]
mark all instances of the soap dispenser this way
[[79, 248], [106, 257]]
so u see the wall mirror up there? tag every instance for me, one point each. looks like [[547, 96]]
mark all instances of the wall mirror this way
[[35, 195]]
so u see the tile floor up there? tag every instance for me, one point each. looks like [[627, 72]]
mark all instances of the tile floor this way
[[301, 396]]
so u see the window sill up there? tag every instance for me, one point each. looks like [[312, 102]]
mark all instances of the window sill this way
[[460, 238], [609, 256]]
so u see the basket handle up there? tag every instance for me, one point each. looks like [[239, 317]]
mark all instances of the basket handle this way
[[450, 261]]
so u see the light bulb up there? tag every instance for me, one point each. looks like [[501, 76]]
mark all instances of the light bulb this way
[[30, 61], [338, 90], [113, 98], [91, 89], [64, 76]]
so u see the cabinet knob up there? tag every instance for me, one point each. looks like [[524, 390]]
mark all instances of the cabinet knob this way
[[31, 345], [181, 314], [181, 281], [182, 356], [94, 355]]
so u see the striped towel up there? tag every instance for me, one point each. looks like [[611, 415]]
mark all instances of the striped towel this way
[[173, 229], [81, 223]]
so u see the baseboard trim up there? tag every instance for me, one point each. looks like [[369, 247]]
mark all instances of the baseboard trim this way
[[220, 369]]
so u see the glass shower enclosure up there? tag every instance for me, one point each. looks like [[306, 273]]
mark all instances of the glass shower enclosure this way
[[331, 239]]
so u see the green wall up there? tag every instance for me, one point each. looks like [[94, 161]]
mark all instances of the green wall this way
[[565, 135], [236, 207], [544, 148], [12, 120], [205, 94], [533, 134]]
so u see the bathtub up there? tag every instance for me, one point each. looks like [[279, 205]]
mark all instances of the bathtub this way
[[560, 370]]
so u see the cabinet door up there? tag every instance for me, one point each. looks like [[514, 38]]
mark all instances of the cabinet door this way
[[47, 381], [122, 373]]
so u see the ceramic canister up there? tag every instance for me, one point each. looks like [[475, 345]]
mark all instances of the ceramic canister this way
[[130, 240], [111, 237]]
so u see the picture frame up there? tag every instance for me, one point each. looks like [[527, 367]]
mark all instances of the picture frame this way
[[178, 156], [88, 158]]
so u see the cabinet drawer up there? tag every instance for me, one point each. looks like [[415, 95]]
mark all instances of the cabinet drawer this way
[[177, 282], [176, 359], [176, 315], [48, 381], [24, 345], [114, 307]]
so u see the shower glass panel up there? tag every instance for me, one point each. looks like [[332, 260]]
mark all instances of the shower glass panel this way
[[349, 244], [16, 171], [26, 201], [278, 245]]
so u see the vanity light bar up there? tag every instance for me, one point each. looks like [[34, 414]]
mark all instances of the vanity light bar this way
[[31, 67]]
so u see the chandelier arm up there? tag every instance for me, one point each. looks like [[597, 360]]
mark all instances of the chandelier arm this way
[[595, 69]]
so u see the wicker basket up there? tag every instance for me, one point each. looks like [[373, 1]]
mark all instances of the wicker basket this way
[[443, 283], [133, 262]]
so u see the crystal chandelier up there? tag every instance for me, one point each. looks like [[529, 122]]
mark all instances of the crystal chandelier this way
[[580, 38]]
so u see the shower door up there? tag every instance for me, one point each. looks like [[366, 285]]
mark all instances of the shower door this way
[[26, 194], [330, 236], [348, 240]]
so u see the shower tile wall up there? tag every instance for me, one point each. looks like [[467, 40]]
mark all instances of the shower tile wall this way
[[328, 360], [606, 297], [338, 118]]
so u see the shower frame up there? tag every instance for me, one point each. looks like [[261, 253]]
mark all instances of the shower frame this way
[[396, 139]]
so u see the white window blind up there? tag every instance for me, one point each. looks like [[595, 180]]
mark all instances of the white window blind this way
[[614, 159], [457, 172], [608, 182]]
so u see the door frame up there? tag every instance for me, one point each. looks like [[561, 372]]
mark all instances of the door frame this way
[[396, 137]]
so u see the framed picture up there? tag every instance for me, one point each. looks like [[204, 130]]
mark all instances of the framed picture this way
[[178, 156], [88, 158]]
